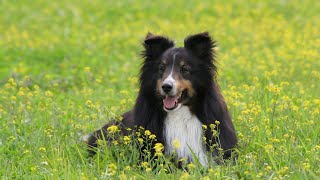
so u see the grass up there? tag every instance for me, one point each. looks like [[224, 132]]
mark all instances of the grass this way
[[66, 67]]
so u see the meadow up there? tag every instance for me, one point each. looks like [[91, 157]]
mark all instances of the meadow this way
[[67, 67]]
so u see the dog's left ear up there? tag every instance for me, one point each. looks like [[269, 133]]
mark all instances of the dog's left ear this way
[[156, 45], [201, 45]]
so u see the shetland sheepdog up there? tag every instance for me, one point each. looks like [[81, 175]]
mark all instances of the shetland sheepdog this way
[[179, 100]]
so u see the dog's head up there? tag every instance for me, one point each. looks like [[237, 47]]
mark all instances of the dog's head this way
[[180, 74]]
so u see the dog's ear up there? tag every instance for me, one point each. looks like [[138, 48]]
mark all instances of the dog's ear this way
[[155, 45], [201, 45]]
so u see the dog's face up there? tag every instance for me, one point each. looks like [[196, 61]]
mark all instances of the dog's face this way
[[174, 79], [181, 73]]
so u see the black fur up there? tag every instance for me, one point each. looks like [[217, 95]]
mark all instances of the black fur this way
[[208, 104]]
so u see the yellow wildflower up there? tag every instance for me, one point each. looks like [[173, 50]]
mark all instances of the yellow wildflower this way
[[147, 133], [152, 136], [112, 168], [43, 149], [127, 139], [191, 166], [176, 143], [115, 143], [144, 164], [87, 69], [158, 147], [184, 176], [112, 129], [48, 93], [140, 140], [204, 127]]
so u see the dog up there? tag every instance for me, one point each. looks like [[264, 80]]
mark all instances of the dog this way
[[179, 99]]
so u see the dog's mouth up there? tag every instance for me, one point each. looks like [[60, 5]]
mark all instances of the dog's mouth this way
[[171, 103]]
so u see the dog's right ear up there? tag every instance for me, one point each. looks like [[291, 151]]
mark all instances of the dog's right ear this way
[[155, 45]]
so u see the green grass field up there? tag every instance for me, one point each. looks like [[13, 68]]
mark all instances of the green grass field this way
[[67, 67]]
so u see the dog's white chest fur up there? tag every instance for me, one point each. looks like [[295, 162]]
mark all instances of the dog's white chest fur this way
[[183, 128]]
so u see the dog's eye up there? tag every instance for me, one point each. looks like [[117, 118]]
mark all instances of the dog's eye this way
[[162, 68], [185, 70]]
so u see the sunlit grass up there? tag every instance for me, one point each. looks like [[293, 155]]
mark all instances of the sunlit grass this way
[[66, 68]]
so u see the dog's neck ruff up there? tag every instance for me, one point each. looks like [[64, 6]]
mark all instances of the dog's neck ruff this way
[[183, 135]]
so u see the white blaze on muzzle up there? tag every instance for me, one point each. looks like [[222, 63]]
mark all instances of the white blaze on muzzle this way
[[170, 80], [171, 98]]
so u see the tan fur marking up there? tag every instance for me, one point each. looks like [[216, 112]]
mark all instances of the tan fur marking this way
[[159, 85], [183, 84]]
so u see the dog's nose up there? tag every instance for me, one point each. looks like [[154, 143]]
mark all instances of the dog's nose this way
[[166, 88]]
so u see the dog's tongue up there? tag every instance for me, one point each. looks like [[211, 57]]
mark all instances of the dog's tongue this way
[[170, 102]]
